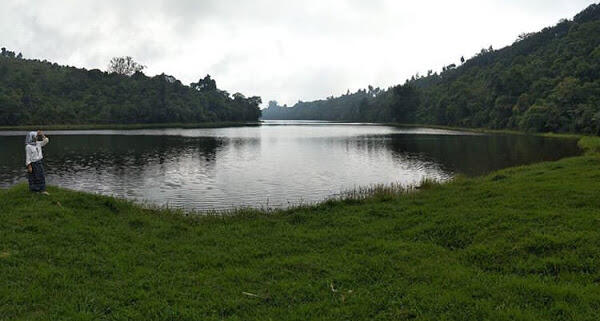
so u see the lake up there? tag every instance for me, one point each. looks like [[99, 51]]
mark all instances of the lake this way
[[278, 164]]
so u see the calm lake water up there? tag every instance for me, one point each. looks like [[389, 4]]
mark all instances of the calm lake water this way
[[275, 165]]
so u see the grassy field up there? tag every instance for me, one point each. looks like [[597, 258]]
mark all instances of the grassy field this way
[[519, 244], [130, 126]]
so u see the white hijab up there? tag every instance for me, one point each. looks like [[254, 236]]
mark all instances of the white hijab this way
[[31, 138]]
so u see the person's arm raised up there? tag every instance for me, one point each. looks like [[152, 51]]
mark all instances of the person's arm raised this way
[[45, 140]]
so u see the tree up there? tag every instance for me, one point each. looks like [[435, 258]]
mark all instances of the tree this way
[[539, 118], [205, 84], [7, 53], [405, 102], [124, 66], [524, 36]]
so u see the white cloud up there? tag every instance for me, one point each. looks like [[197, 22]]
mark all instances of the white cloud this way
[[283, 50]]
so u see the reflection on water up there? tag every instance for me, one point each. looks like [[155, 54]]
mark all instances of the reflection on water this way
[[276, 164]]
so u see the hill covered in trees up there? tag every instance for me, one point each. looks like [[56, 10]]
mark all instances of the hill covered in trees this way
[[40, 92], [545, 81]]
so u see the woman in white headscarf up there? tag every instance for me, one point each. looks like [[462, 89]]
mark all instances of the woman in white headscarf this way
[[34, 141]]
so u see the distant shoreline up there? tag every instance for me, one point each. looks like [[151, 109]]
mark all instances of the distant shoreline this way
[[131, 126], [481, 130]]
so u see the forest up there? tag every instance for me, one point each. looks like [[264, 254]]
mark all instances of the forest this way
[[39, 92], [546, 81]]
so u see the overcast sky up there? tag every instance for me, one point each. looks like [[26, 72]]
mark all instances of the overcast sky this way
[[276, 49]]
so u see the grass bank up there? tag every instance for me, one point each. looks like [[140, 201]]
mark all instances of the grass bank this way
[[519, 244], [131, 126]]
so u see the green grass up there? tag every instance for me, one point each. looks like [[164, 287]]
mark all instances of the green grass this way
[[591, 144], [130, 126], [519, 244]]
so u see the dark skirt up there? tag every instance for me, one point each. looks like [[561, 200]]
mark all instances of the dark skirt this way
[[37, 180]]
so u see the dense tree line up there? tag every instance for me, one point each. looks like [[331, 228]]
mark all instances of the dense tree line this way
[[40, 92], [545, 81]]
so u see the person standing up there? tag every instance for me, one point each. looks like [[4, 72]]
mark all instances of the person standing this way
[[34, 141]]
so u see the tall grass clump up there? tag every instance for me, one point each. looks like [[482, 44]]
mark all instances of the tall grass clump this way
[[379, 192]]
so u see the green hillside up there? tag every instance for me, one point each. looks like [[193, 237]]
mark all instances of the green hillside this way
[[44, 93], [546, 81]]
